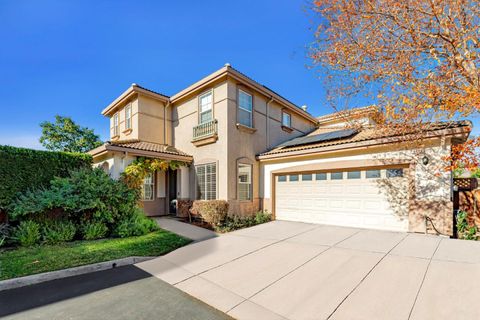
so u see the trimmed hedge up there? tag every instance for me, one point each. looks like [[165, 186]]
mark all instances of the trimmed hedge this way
[[26, 169], [213, 212]]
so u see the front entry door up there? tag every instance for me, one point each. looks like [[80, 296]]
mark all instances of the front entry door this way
[[172, 191]]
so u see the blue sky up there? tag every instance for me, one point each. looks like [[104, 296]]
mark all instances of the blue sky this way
[[74, 57]]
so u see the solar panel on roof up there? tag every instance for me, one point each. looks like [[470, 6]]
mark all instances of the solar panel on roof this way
[[319, 138]]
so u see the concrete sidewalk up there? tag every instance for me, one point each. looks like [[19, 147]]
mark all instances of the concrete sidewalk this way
[[185, 229], [289, 270]]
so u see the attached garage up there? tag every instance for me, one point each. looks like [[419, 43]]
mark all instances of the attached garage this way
[[366, 177], [367, 198]]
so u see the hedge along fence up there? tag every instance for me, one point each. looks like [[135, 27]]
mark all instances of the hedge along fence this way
[[26, 169]]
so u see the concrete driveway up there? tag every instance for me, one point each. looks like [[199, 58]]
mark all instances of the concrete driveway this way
[[289, 270]]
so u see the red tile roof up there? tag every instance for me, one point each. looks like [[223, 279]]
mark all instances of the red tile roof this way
[[147, 146]]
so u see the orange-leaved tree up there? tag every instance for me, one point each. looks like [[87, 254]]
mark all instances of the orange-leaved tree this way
[[418, 60]]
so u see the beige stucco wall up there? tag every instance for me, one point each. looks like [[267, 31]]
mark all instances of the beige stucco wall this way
[[185, 118], [151, 116], [123, 134], [243, 146], [117, 162], [148, 122], [233, 145], [157, 206]]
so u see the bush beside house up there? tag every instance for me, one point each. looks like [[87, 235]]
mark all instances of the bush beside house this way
[[54, 199], [212, 212], [215, 214], [86, 205]]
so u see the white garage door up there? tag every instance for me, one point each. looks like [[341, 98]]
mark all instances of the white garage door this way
[[376, 198]]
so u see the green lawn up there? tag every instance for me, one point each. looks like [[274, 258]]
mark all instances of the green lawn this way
[[26, 261]]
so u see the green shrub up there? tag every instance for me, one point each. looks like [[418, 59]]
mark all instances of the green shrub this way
[[26, 169], [464, 230], [58, 231], [137, 225], [5, 231], [27, 233], [94, 230], [235, 222], [213, 212], [475, 173], [87, 195], [263, 216]]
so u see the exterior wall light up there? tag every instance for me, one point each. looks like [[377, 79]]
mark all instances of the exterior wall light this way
[[425, 160]]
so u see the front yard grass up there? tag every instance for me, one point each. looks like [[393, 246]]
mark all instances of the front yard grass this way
[[26, 261]]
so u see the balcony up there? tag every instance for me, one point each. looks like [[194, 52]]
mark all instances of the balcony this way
[[205, 133]]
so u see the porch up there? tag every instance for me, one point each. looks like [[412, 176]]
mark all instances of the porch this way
[[162, 189]]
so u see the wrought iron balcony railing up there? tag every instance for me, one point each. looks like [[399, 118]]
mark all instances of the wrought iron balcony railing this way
[[205, 130]]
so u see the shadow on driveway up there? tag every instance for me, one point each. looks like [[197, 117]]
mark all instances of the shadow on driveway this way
[[121, 293]]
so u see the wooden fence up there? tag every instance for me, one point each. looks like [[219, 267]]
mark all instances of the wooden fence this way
[[466, 197]]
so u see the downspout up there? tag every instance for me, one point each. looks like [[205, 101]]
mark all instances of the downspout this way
[[165, 123], [266, 124]]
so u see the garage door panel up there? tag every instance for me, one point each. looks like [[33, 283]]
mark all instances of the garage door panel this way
[[353, 204], [335, 204], [335, 189], [348, 202], [356, 189]]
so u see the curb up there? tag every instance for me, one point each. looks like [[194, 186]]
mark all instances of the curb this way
[[64, 273]]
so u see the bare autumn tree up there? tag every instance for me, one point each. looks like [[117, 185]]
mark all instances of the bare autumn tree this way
[[419, 60]]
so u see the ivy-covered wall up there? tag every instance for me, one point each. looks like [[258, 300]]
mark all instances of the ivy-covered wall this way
[[26, 169]]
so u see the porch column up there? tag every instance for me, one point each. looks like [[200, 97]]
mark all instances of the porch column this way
[[184, 183]]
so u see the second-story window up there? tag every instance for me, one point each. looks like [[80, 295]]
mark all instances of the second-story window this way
[[128, 117], [205, 107], [286, 120], [115, 125], [245, 107]]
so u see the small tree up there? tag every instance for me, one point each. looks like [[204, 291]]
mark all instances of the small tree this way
[[418, 60], [66, 135]]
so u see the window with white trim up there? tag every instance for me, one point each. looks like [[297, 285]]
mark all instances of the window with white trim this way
[[128, 117], [205, 106], [321, 176], [244, 181], [293, 178], [353, 175], [395, 173], [307, 177], [336, 176], [245, 108], [148, 187], [372, 174], [206, 177], [286, 120], [115, 125]]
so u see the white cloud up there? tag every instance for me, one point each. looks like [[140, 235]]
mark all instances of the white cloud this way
[[26, 141]]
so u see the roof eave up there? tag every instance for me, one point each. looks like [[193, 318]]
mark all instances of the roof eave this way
[[154, 154], [229, 71], [98, 150], [128, 94]]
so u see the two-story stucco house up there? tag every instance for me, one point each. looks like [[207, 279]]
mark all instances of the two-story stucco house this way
[[245, 143]]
